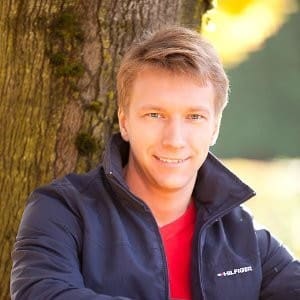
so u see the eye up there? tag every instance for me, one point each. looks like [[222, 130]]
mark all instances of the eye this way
[[196, 116], [154, 115]]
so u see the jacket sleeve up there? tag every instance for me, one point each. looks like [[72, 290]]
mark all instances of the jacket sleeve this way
[[46, 254], [280, 271]]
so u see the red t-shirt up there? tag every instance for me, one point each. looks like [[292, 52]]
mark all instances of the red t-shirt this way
[[177, 239]]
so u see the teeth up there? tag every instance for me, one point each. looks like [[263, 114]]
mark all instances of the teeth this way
[[173, 161]]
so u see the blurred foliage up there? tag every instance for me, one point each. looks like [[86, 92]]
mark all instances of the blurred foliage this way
[[245, 24], [277, 203], [262, 118]]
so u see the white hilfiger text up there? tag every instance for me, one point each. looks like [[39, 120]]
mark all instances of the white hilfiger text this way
[[235, 271]]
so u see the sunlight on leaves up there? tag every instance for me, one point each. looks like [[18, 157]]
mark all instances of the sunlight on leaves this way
[[237, 28]]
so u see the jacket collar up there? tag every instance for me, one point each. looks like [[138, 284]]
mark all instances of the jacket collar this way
[[216, 188]]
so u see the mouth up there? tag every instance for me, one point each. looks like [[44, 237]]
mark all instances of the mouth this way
[[171, 160]]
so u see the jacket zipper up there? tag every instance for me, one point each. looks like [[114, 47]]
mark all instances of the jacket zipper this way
[[161, 246], [163, 254]]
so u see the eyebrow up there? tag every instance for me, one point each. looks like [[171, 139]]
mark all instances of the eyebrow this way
[[151, 107], [198, 108], [190, 109]]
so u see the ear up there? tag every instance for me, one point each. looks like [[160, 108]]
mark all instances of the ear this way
[[216, 131], [122, 117]]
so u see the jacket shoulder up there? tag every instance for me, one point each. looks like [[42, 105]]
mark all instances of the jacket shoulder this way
[[280, 270]]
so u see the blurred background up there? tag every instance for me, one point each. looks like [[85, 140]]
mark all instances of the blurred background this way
[[259, 42]]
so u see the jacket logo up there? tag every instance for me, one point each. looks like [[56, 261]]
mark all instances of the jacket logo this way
[[235, 271]]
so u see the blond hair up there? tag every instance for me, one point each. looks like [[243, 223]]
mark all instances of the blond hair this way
[[175, 49]]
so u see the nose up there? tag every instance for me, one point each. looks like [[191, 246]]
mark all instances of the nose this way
[[174, 134]]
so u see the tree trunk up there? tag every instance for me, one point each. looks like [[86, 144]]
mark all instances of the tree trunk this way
[[58, 61]]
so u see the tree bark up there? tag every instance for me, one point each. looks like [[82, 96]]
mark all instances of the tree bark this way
[[58, 61]]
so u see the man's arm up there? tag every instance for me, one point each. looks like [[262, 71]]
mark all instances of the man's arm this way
[[281, 272], [46, 263]]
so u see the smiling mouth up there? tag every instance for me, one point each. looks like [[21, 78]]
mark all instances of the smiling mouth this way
[[171, 160]]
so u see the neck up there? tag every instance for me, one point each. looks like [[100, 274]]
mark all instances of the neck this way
[[166, 206], [167, 210]]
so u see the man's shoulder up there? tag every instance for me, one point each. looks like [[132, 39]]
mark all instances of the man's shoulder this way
[[70, 191], [241, 222], [77, 181], [74, 182]]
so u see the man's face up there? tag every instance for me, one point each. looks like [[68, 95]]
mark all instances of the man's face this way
[[170, 124]]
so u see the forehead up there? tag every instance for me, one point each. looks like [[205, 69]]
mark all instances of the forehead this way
[[156, 86]]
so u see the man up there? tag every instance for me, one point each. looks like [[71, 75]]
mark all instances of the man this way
[[160, 218]]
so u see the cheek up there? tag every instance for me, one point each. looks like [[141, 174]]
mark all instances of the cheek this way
[[144, 131], [141, 139], [202, 140]]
